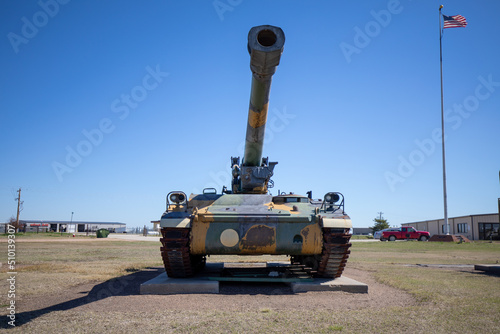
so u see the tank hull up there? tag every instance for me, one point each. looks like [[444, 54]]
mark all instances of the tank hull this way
[[256, 238], [239, 224]]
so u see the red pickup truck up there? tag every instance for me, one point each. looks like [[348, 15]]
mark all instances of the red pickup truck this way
[[406, 232]]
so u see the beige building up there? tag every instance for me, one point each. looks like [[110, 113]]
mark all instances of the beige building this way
[[474, 227], [156, 225]]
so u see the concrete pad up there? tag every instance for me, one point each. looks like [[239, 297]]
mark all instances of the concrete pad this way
[[164, 285], [342, 283], [491, 268]]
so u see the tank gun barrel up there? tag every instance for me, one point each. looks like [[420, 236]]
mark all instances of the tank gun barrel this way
[[265, 45]]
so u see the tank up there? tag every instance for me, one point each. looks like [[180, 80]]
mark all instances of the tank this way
[[245, 219]]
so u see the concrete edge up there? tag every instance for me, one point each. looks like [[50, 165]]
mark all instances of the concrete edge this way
[[491, 268], [342, 283]]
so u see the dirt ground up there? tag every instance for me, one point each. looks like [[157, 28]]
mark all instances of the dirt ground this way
[[122, 295]]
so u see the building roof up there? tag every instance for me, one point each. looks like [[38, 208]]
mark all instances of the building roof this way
[[433, 220]]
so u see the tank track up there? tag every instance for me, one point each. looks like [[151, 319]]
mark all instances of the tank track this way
[[175, 253], [333, 258], [335, 252]]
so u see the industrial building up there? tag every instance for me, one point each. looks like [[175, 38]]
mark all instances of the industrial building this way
[[474, 227], [69, 226], [361, 231]]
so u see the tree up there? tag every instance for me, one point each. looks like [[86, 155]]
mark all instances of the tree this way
[[13, 222], [380, 224]]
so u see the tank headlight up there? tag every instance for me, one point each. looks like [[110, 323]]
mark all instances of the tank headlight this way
[[332, 197], [177, 197]]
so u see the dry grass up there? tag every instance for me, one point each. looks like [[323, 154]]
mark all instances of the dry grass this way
[[448, 300], [48, 267], [397, 320], [415, 252]]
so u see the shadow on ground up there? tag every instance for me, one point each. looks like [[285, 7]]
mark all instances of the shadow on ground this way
[[120, 286], [254, 288]]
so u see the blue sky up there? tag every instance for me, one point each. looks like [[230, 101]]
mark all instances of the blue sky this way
[[107, 106]]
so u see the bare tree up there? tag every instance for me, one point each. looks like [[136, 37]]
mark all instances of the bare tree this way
[[13, 222]]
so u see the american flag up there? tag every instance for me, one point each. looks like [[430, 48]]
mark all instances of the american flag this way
[[457, 21]]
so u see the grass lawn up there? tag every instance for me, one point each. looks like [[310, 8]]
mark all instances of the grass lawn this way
[[451, 300]]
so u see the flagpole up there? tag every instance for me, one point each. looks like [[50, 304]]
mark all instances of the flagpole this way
[[447, 226]]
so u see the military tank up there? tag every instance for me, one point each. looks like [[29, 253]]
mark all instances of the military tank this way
[[245, 219]]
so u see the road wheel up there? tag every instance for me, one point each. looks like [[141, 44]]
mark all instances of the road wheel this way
[[392, 238], [423, 238]]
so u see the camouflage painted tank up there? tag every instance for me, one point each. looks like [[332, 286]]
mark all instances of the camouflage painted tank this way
[[246, 220]]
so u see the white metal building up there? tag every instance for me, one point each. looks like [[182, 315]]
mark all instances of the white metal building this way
[[474, 227], [70, 226]]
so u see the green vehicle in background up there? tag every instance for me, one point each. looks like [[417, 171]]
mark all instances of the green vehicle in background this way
[[246, 219]]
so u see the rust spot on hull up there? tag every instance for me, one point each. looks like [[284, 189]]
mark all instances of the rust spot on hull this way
[[259, 239], [312, 239], [199, 233]]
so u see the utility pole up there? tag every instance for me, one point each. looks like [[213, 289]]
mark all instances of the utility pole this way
[[380, 215], [18, 199]]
